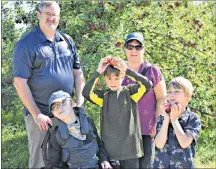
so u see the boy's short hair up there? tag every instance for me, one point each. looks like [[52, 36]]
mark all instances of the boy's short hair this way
[[110, 69], [181, 83]]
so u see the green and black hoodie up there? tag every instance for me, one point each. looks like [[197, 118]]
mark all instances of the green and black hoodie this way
[[120, 123]]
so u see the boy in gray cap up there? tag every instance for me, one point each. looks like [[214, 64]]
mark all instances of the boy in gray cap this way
[[76, 134]]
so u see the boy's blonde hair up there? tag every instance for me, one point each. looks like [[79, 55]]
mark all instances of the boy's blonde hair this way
[[181, 83]]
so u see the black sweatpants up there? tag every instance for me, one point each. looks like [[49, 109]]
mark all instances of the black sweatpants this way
[[130, 163]]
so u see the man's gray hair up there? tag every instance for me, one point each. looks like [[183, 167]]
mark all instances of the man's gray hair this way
[[43, 4]]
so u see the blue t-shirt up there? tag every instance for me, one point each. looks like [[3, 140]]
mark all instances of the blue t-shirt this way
[[47, 65]]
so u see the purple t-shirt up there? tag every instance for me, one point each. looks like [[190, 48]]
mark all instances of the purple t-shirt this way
[[147, 104]]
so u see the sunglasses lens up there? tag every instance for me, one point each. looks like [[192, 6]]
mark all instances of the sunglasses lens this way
[[138, 47], [130, 47]]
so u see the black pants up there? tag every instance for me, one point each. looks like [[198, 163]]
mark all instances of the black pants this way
[[149, 148], [130, 163]]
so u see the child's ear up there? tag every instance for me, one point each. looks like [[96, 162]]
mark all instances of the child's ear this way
[[188, 98]]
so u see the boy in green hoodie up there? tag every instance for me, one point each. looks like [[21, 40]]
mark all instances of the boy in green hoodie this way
[[120, 123]]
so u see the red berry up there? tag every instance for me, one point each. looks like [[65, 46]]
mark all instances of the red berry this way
[[210, 77], [112, 62], [118, 44], [117, 8], [168, 108]]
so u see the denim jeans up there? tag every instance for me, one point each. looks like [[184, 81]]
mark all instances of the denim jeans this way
[[149, 149]]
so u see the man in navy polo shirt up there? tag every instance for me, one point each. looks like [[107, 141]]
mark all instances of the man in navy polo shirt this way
[[44, 62]]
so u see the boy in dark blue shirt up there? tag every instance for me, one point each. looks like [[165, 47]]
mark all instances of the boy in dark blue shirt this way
[[76, 134]]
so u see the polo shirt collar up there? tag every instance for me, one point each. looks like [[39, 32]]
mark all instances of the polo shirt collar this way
[[58, 37], [43, 38], [185, 115]]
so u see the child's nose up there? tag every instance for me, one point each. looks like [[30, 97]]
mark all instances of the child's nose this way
[[112, 81]]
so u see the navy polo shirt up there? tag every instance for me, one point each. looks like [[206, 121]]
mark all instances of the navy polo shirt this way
[[47, 65]]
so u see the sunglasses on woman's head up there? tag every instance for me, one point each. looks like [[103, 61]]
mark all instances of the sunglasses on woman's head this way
[[131, 47]]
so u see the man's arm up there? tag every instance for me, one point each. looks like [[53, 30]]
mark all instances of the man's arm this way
[[79, 85], [25, 95]]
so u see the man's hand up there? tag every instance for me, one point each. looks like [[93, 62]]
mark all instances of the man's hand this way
[[79, 102], [106, 165], [42, 121]]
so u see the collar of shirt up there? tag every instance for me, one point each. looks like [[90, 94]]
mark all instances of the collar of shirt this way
[[74, 130], [43, 38], [184, 117]]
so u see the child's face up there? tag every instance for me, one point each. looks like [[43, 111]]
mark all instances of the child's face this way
[[62, 109], [113, 81], [178, 95]]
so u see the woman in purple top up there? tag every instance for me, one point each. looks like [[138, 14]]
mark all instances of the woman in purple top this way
[[134, 50]]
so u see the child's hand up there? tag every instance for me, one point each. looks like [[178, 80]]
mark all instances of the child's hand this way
[[176, 111], [163, 110], [106, 165], [120, 64], [103, 64]]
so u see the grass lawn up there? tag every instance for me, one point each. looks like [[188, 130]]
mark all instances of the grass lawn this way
[[15, 150]]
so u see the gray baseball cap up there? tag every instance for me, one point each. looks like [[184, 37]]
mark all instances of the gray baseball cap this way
[[57, 97], [135, 36]]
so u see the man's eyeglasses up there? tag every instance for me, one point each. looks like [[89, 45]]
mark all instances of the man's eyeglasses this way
[[131, 47], [47, 14], [58, 105]]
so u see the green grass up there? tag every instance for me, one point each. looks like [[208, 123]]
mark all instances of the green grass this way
[[15, 144]]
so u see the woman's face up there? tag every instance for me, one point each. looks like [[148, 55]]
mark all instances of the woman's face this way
[[134, 52]]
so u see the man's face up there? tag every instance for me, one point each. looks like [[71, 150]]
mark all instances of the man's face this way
[[134, 52], [49, 18], [113, 81], [62, 109]]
